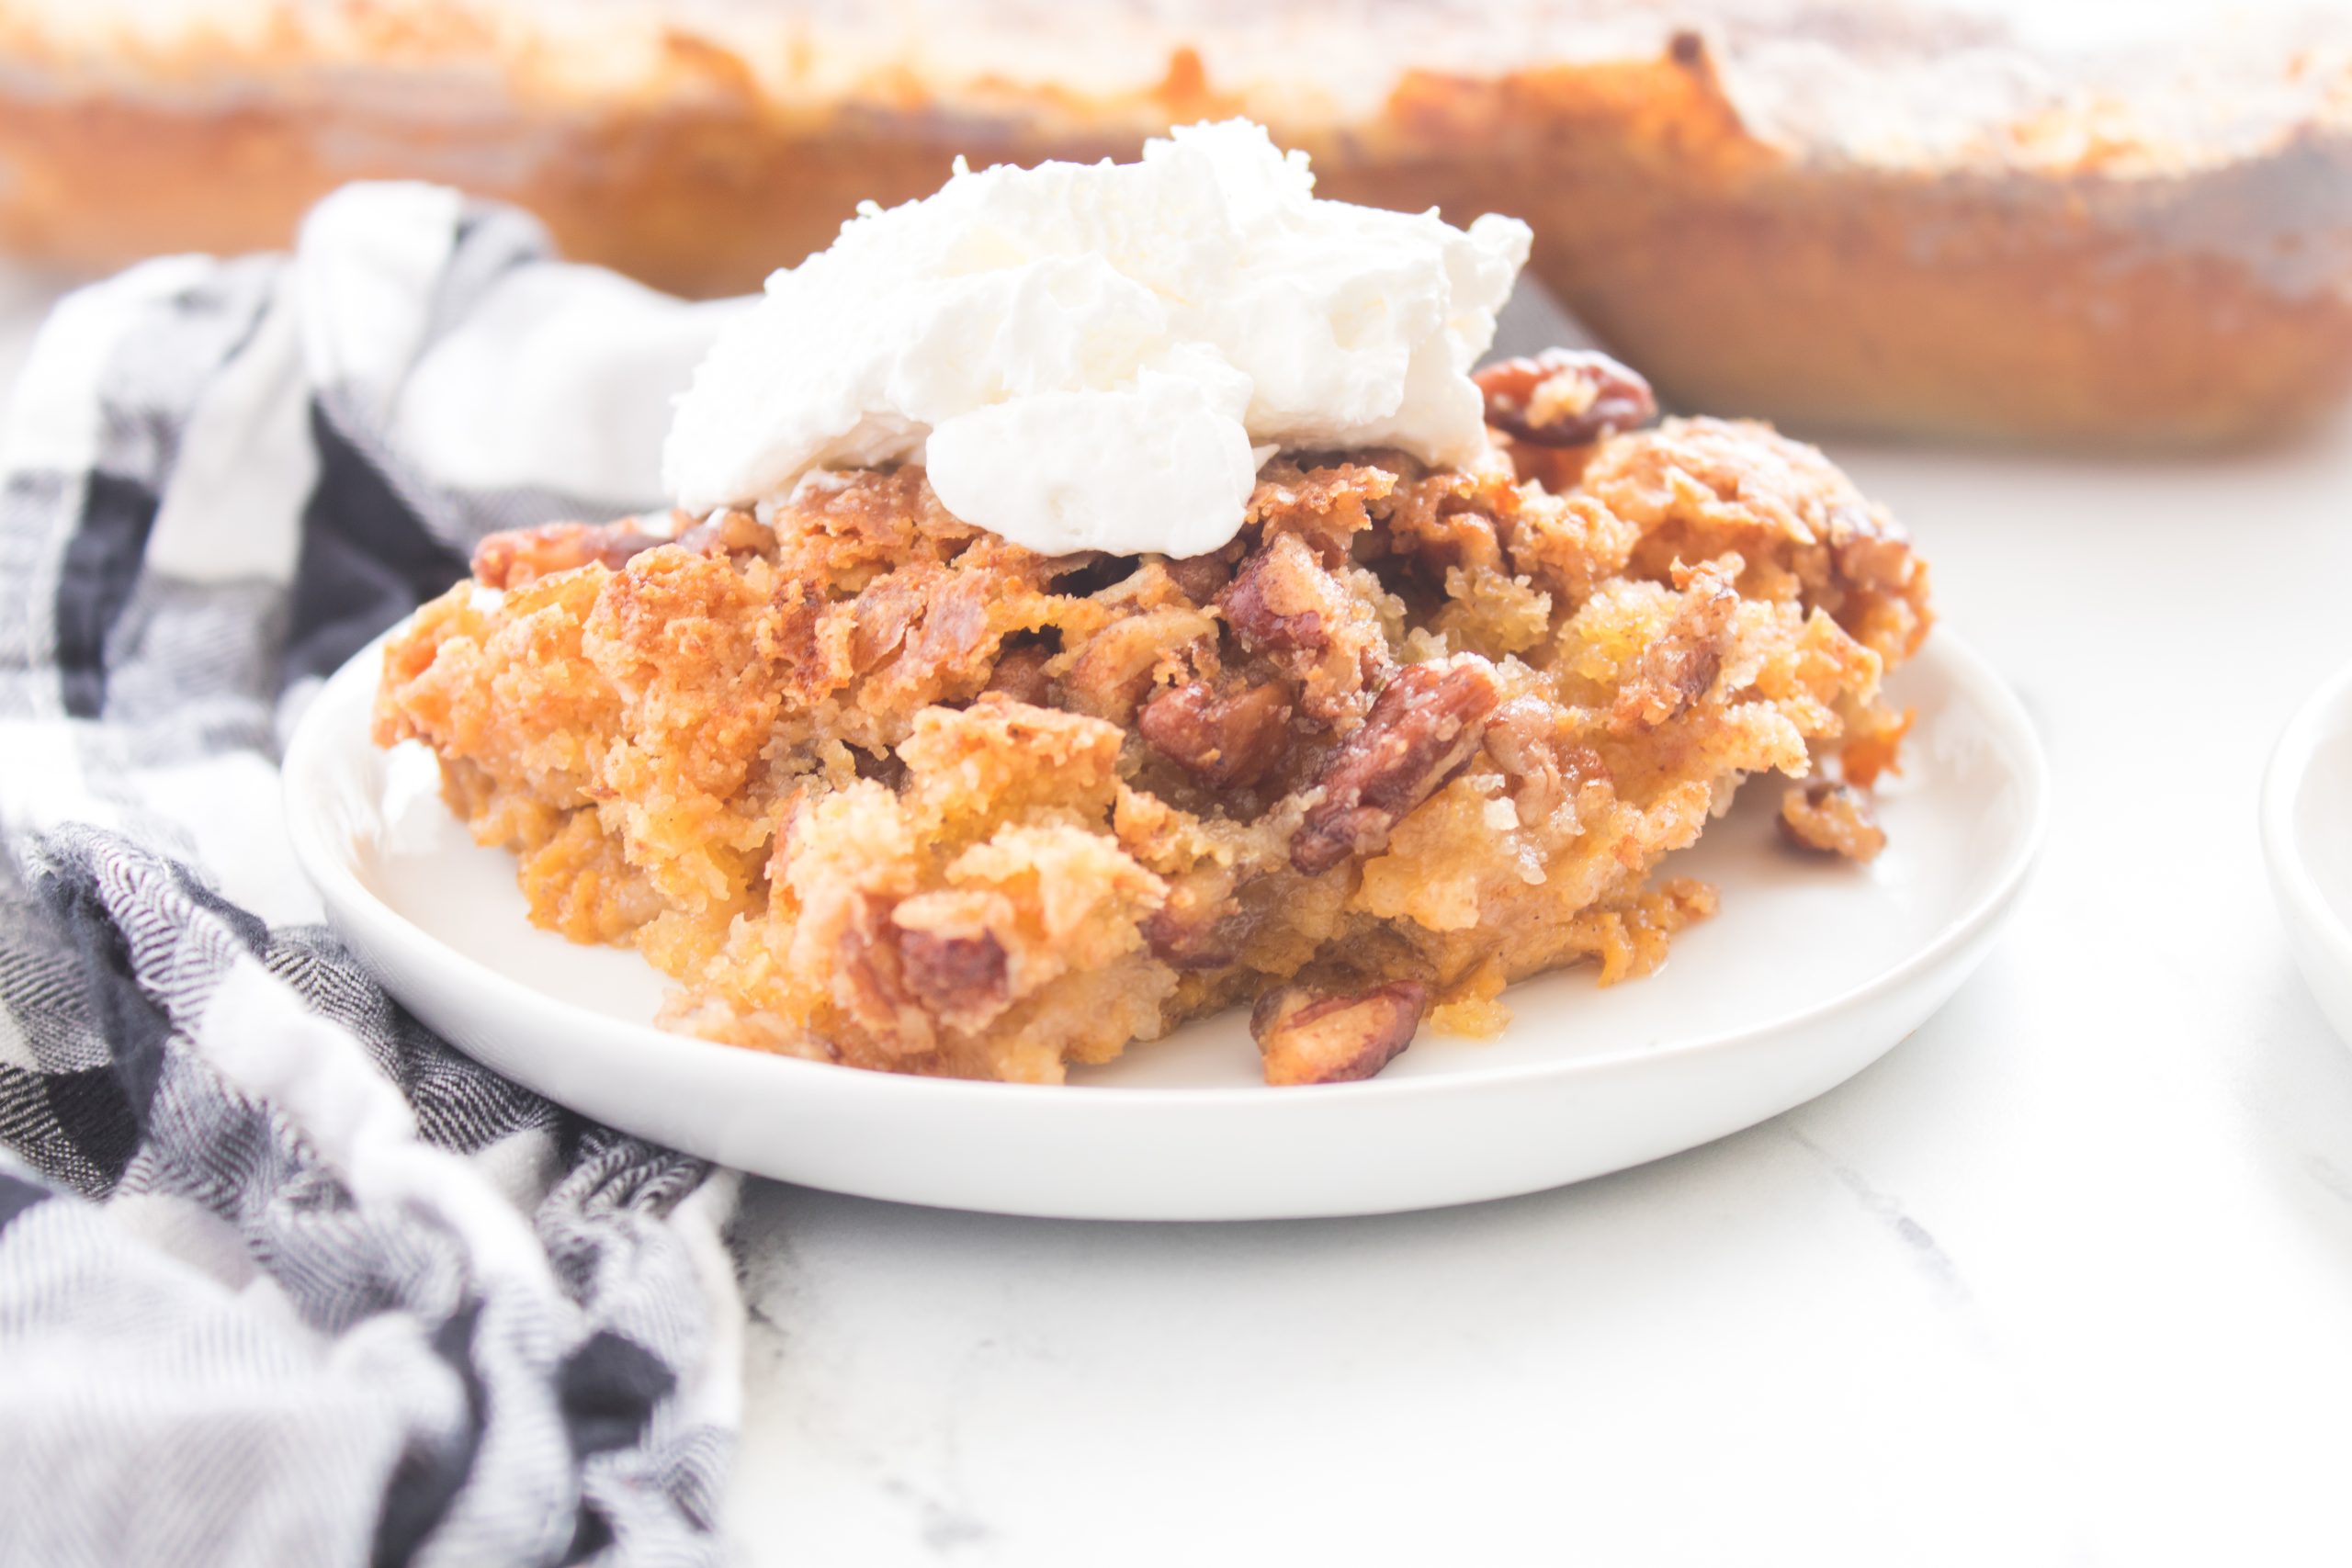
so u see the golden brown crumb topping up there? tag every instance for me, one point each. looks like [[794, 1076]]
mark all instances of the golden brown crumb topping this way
[[1831, 818], [877, 788]]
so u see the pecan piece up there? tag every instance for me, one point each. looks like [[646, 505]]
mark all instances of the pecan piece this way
[[1317, 629], [1565, 396], [1203, 925], [952, 974], [868, 974], [1194, 937], [1829, 817], [1529, 740], [1229, 741], [1307, 1039], [1424, 725], [1275, 603]]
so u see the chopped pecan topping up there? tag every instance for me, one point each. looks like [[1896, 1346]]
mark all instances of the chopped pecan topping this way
[[1565, 396], [867, 972], [1829, 817], [1187, 934], [1424, 725], [1230, 741], [1317, 624], [905, 974], [1531, 740], [1276, 603], [952, 974], [1307, 1039], [1678, 668]]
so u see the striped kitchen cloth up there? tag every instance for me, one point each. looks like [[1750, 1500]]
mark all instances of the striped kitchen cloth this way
[[283, 1278]]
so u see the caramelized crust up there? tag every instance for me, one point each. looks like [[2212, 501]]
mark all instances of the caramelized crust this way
[[877, 788]]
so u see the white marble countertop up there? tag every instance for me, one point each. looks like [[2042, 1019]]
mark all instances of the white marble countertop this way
[[2066, 1278]]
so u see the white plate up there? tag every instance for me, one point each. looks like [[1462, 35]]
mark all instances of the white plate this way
[[2307, 841], [1811, 971]]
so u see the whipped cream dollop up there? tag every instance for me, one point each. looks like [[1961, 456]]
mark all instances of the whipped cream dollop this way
[[1101, 356]]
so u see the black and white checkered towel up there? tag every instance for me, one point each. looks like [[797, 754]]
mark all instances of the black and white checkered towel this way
[[283, 1278]]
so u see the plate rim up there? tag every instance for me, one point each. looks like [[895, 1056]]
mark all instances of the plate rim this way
[[2296, 890], [346, 897]]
